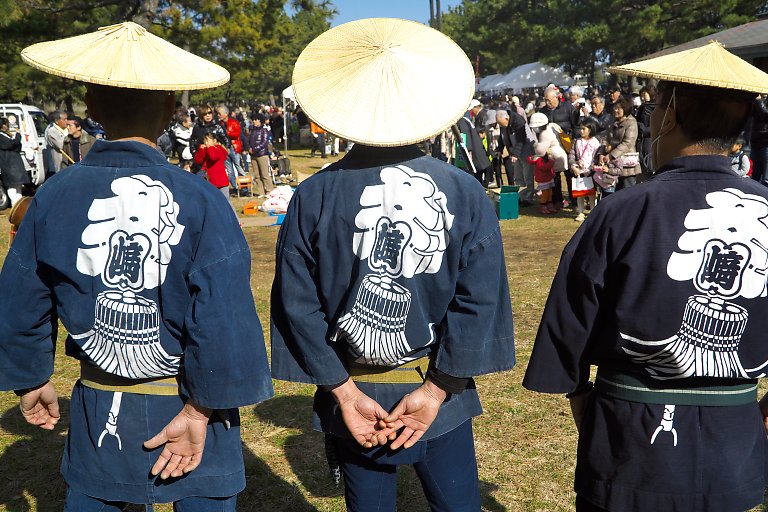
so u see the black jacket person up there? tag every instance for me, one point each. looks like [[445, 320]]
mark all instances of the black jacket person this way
[[663, 289]]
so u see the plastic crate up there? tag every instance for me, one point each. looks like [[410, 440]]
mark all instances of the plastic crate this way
[[506, 202]]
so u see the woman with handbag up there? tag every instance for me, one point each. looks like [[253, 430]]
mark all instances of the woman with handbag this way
[[622, 159]]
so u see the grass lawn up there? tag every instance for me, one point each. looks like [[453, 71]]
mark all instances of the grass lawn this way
[[525, 441]]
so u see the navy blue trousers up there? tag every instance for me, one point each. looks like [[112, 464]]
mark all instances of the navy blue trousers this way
[[78, 502], [446, 466], [583, 505]]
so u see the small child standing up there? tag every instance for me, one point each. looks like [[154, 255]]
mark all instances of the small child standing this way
[[740, 162], [581, 158], [605, 181], [544, 175]]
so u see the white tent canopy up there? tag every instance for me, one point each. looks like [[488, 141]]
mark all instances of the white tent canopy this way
[[495, 82], [503, 81], [288, 93], [488, 80], [533, 74]]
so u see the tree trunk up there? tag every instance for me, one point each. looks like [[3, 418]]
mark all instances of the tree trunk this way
[[432, 13], [185, 46], [146, 13], [67, 95]]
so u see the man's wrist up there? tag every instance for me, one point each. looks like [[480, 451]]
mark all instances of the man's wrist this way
[[582, 389], [345, 392], [434, 391], [197, 412], [448, 383], [22, 392]]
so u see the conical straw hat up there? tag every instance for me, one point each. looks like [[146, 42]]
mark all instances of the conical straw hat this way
[[125, 55], [710, 65], [383, 81]]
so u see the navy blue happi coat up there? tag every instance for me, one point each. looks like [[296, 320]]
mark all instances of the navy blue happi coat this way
[[385, 257], [147, 269], [665, 285]]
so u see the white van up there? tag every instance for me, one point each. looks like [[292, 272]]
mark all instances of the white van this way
[[31, 122]]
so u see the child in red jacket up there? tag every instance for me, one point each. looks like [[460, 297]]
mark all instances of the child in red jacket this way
[[211, 155], [544, 175]]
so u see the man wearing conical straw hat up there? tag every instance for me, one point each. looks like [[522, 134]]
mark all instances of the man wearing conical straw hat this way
[[664, 290], [390, 290], [147, 269]]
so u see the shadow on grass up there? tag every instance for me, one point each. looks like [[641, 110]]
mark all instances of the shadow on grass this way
[[264, 490], [306, 456], [305, 451], [29, 472], [30, 464]]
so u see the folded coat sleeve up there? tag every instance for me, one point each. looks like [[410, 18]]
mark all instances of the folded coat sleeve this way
[[477, 334], [225, 359], [28, 322], [200, 155], [8, 144], [301, 347]]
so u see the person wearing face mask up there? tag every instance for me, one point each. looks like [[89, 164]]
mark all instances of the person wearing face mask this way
[[663, 289]]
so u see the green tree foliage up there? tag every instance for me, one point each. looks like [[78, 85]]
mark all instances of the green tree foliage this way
[[578, 34], [256, 40]]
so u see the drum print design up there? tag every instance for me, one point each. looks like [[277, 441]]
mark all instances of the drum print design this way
[[128, 246], [721, 253], [402, 231]]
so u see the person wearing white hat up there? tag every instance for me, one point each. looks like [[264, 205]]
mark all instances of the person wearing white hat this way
[[390, 288], [147, 269], [663, 289]]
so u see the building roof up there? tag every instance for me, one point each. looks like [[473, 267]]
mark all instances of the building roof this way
[[748, 40]]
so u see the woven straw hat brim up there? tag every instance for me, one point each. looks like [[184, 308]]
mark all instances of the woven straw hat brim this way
[[125, 55], [710, 65], [383, 81]]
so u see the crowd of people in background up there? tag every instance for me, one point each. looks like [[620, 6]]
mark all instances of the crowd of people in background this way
[[219, 144], [597, 141], [246, 140]]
